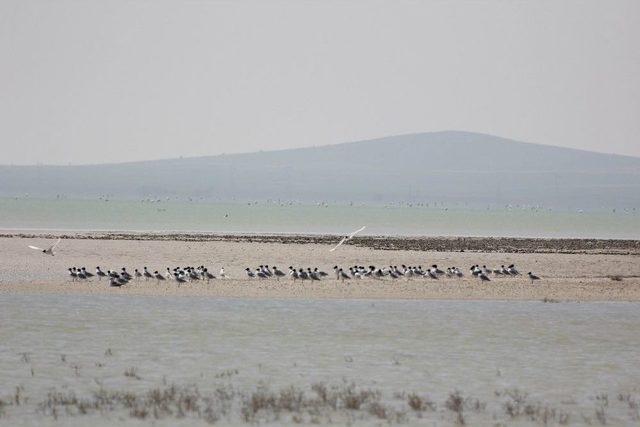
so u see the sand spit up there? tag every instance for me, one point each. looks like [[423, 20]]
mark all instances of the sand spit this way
[[565, 276]]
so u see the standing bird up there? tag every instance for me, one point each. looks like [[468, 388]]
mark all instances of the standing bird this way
[[249, 273], [207, 275], [312, 274], [180, 279], [222, 275], [512, 270], [87, 274], [49, 250], [278, 273], [436, 270], [100, 273], [532, 277], [346, 238]]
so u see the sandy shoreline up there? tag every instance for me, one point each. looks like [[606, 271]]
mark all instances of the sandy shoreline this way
[[437, 244], [573, 277]]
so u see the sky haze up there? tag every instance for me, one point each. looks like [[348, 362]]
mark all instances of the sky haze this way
[[95, 82]]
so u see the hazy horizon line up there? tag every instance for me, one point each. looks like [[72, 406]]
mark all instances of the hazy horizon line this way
[[276, 150]]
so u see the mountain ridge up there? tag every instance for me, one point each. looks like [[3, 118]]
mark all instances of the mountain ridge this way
[[447, 166], [456, 133]]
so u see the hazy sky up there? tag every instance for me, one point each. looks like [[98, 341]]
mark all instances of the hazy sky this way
[[103, 81]]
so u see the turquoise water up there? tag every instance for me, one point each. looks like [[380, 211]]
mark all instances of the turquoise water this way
[[89, 215]]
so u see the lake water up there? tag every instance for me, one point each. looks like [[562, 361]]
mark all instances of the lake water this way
[[91, 215], [569, 357]]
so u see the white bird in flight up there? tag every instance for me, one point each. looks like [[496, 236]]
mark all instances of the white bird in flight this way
[[49, 250], [345, 238]]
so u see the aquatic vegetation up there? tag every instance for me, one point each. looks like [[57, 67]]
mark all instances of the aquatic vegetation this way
[[632, 403], [455, 403], [419, 403], [320, 403], [519, 405], [132, 372], [601, 415]]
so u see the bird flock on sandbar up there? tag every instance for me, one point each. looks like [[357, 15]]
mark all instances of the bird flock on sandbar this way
[[193, 274], [187, 274], [372, 272], [122, 277]]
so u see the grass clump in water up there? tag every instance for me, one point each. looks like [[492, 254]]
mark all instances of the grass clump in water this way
[[419, 403], [455, 403], [132, 373], [517, 405]]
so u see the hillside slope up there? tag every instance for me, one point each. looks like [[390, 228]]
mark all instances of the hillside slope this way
[[442, 166]]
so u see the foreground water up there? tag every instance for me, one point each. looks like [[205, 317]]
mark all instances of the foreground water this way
[[577, 360], [91, 215]]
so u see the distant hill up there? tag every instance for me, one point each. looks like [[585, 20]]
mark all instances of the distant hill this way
[[442, 166]]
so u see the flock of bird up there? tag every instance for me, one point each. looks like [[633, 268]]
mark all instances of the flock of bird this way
[[122, 277], [373, 272], [192, 274]]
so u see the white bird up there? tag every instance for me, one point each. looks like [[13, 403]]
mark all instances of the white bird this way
[[346, 238], [49, 250]]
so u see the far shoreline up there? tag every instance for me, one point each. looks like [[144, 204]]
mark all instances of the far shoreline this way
[[540, 245]]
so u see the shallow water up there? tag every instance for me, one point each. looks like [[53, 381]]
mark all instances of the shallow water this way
[[332, 219], [562, 354]]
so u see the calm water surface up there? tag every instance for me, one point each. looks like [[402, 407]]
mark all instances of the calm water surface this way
[[564, 353], [333, 219]]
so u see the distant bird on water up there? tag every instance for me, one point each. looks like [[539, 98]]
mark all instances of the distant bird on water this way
[[49, 250], [347, 238]]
